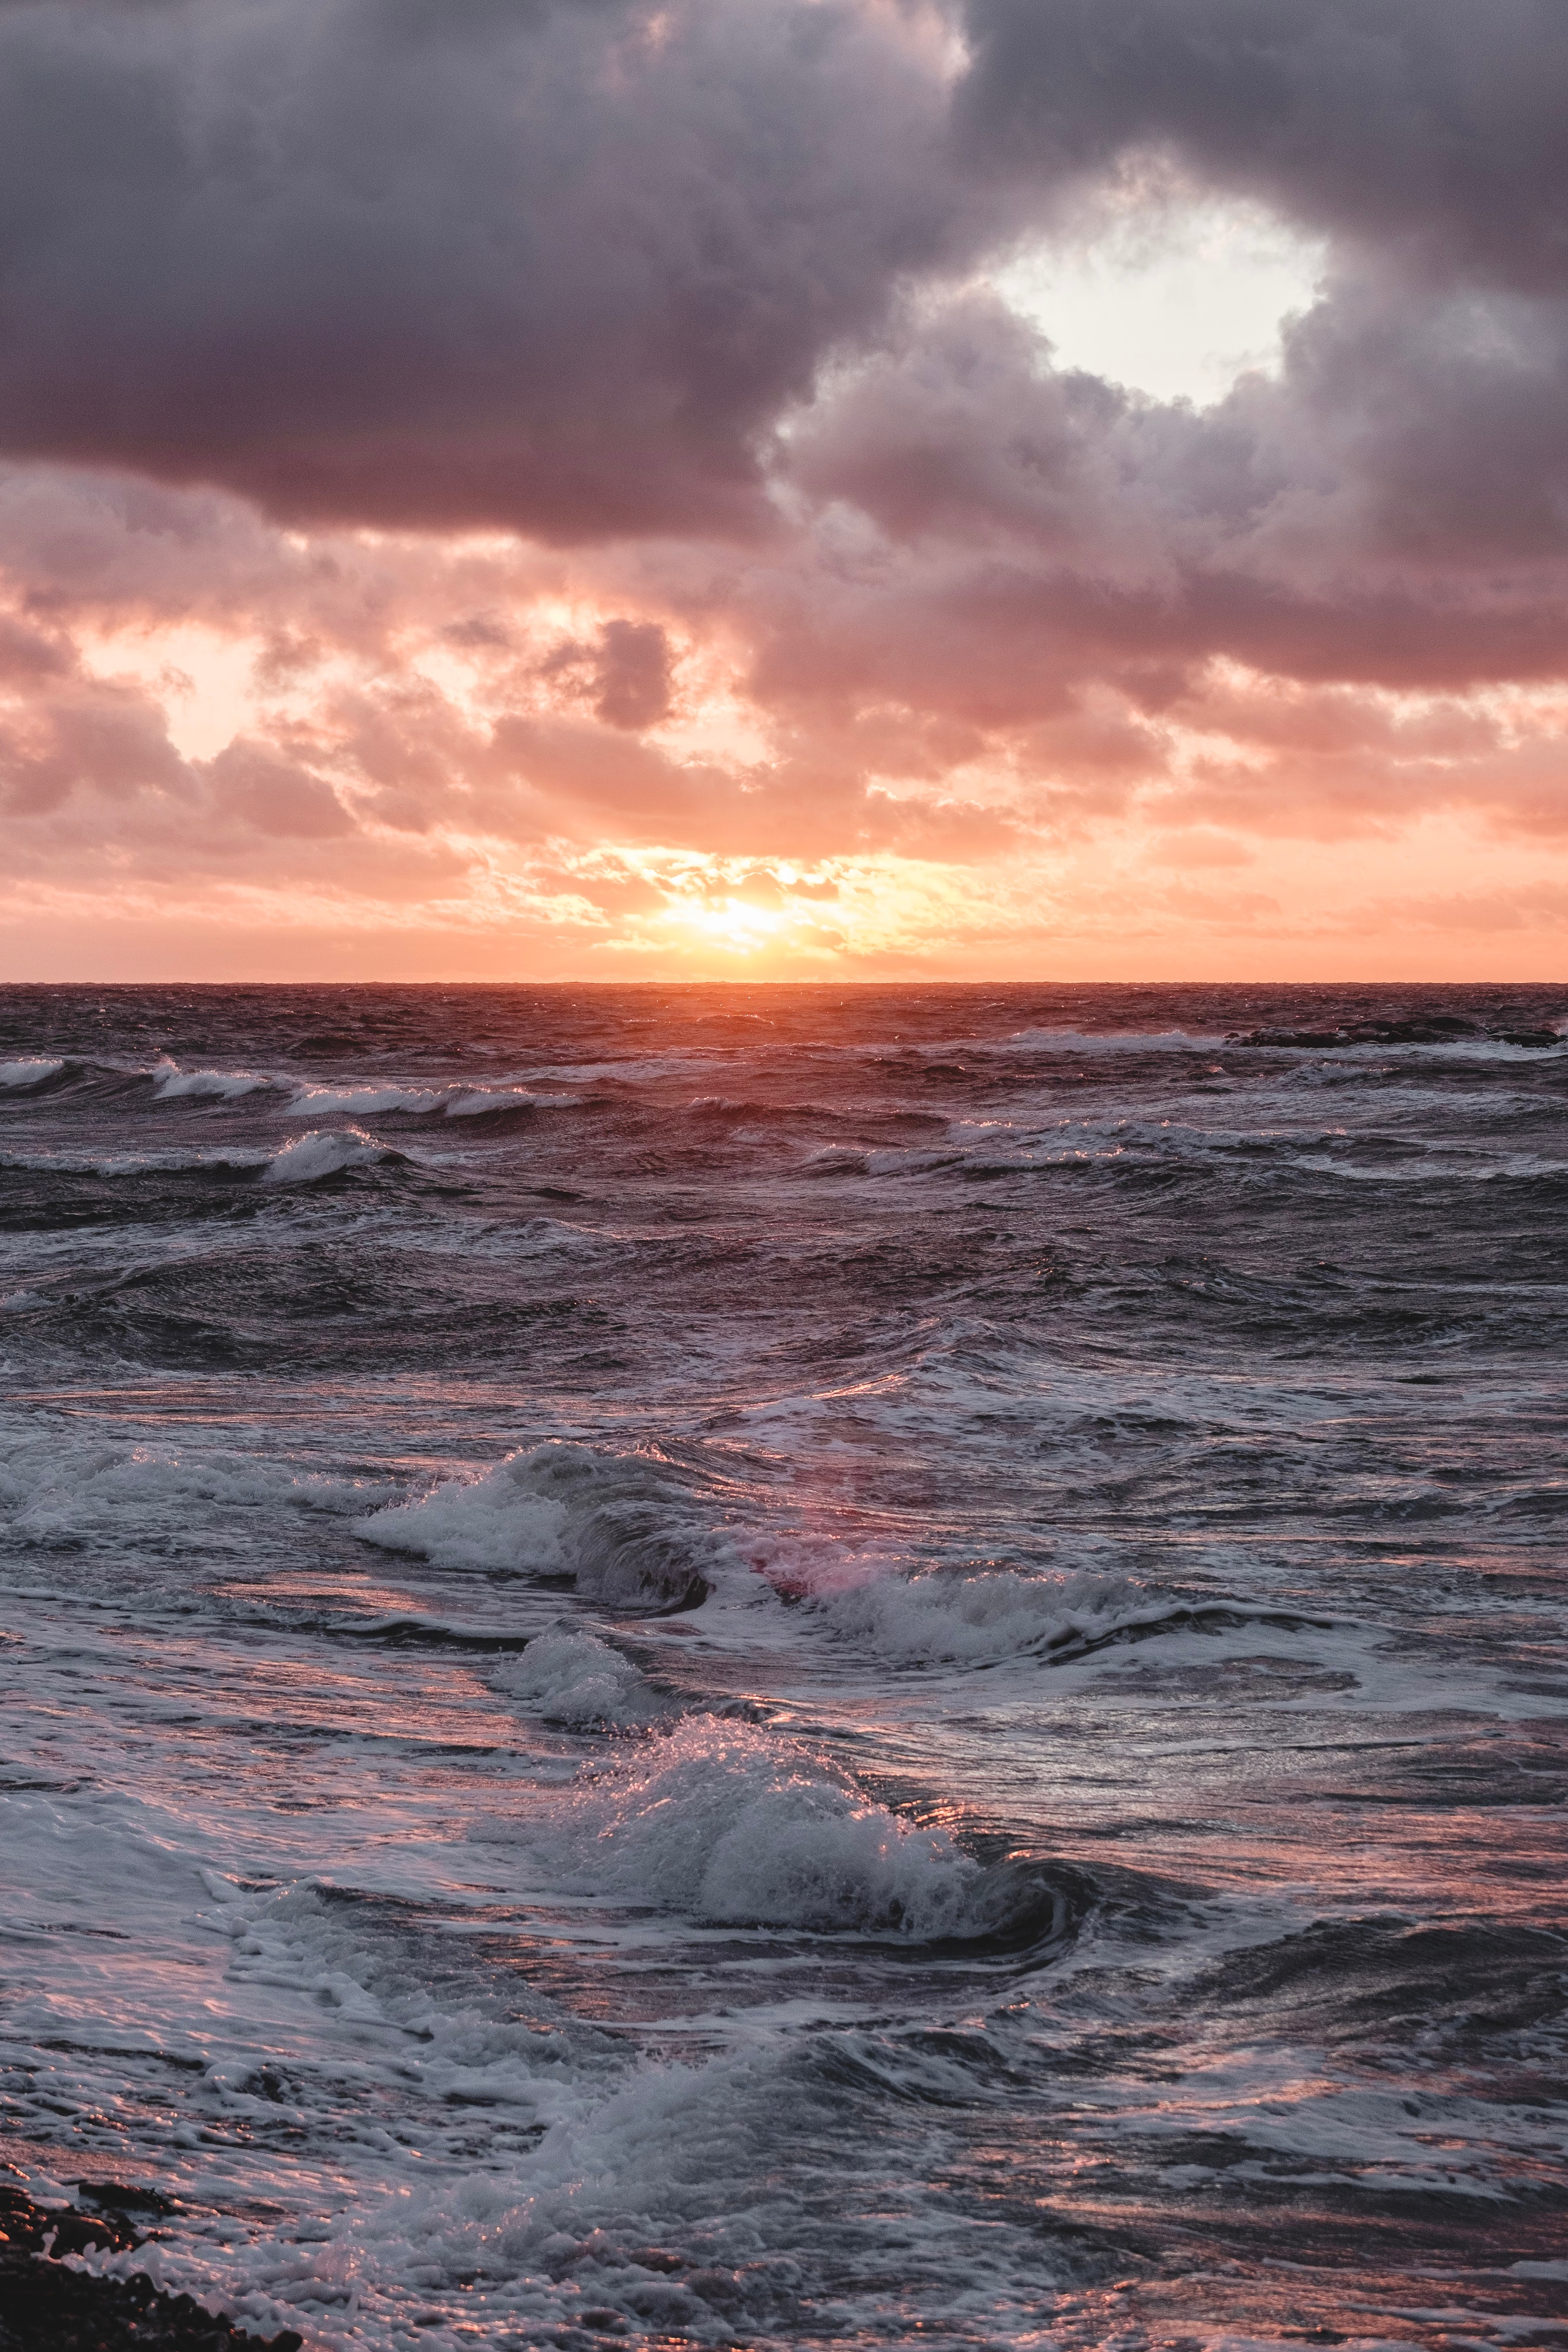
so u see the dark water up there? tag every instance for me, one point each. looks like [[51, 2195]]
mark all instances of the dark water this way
[[787, 1666]]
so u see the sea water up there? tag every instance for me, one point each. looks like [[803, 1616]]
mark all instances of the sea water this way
[[744, 1665]]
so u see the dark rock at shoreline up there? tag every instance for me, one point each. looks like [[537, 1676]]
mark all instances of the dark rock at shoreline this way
[[45, 2307], [1432, 1029]]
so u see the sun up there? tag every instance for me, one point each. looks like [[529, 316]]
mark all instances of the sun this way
[[734, 923]]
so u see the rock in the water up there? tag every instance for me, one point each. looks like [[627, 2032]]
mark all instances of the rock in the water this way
[[46, 2307]]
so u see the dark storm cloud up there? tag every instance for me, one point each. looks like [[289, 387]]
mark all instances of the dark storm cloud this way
[[1438, 124], [1420, 421], [562, 268], [452, 262]]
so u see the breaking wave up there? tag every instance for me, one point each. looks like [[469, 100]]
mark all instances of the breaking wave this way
[[31, 1070], [303, 1161], [732, 1824], [569, 1677], [609, 1522]]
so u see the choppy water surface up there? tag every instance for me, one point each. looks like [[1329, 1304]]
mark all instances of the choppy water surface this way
[[791, 1667]]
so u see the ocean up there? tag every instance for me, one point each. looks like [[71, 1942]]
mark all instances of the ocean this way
[[742, 1666]]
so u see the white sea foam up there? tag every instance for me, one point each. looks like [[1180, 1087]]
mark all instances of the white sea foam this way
[[302, 1940], [228, 1086], [30, 1071], [58, 1489], [423, 1102], [573, 2235], [729, 1823], [323, 1152], [326, 1102], [497, 1519], [568, 1675], [611, 1521], [474, 1102], [986, 1618]]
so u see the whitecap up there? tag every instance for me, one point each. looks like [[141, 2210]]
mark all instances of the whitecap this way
[[477, 1100], [324, 1151], [729, 1823], [611, 1521], [323, 1101], [568, 1675], [985, 1618], [228, 1086]]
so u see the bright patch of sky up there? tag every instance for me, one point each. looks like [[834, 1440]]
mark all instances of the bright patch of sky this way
[[1176, 300]]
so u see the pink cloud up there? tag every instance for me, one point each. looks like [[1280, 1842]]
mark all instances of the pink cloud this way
[[456, 462]]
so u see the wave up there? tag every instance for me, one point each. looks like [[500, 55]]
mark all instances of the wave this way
[[135, 1163], [623, 1533], [1094, 1041], [55, 1489], [662, 2201], [325, 1151], [990, 1617], [731, 1824], [1453, 1984], [228, 1086], [457, 1098], [1441, 1166], [1446, 1031], [630, 1072], [456, 1102], [165, 1077], [610, 1522], [569, 1677], [304, 1161]]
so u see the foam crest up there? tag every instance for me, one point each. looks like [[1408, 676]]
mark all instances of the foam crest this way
[[134, 1163], [324, 1102], [322, 1152], [610, 1521], [569, 1677], [732, 1824], [57, 1491], [476, 1101], [31, 1070], [419, 1102], [985, 1619], [225, 1086], [325, 1151]]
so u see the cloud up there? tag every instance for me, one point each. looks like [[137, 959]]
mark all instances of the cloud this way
[[1432, 127], [547, 268], [633, 674], [499, 455]]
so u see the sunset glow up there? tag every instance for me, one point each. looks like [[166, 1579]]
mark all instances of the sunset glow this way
[[1114, 554]]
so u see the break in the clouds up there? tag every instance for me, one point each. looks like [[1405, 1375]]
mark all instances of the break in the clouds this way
[[580, 488]]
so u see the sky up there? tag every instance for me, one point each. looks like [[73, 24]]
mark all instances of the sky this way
[[818, 489]]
